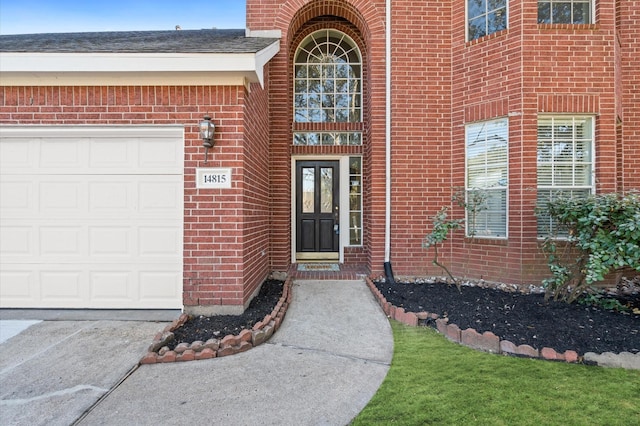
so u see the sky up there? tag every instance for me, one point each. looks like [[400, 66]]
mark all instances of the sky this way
[[56, 16]]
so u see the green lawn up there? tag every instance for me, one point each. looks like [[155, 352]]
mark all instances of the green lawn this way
[[434, 381]]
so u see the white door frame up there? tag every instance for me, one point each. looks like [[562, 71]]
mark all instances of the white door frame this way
[[344, 200]]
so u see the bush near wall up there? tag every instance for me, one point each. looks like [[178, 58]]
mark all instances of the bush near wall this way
[[602, 236]]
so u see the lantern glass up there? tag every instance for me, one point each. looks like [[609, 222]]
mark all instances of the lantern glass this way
[[206, 129]]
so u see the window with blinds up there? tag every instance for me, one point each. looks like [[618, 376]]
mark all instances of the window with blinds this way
[[487, 178], [565, 163]]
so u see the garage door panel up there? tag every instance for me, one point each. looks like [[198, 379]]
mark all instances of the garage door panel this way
[[107, 196], [112, 286], [61, 154], [159, 285], [159, 241], [16, 241], [107, 154], [61, 241], [159, 154], [61, 287], [17, 154], [15, 196], [18, 287], [92, 222], [140, 286], [110, 241], [61, 195], [159, 196]]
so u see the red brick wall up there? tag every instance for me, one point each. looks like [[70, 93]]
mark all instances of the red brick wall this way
[[256, 214], [629, 38], [441, 82], [421, 127], [219, 244], [291, 17]]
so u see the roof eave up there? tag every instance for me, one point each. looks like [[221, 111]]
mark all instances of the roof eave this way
[[39, 68]]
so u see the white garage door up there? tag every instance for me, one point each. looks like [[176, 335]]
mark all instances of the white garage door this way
[[91, 217]]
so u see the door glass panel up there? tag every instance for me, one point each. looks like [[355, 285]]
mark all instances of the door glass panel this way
[[326, 189], [308, 190]]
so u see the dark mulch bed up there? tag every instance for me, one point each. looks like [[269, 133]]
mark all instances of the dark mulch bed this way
[[216, 327], [517, 317], [523, 318]]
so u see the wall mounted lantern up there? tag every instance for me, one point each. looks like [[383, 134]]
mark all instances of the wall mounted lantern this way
[[207, 129]]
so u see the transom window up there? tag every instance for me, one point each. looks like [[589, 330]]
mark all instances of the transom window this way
[[485, 17], [327, 138], [564, 11], [487, 178], [327, 79], [565, 162]]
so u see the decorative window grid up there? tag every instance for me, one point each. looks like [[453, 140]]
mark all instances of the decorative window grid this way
[[327, 138], [327, 79]]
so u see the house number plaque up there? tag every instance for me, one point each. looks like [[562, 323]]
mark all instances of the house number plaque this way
[[216, 178]]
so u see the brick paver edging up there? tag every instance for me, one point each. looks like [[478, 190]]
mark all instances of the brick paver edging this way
[[159, 352], [486, 341]]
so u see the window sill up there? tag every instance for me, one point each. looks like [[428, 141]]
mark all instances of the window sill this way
[[487, 37], [559, 239], [496, 241], [573, 27]]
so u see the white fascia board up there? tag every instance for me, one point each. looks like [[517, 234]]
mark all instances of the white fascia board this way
[[263, 57], [126, 78], [33, 64]]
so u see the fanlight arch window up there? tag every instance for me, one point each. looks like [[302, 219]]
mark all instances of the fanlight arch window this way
[[327, 79]]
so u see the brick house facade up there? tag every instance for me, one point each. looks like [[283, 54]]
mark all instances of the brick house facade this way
[[463, 104], [442, 81]]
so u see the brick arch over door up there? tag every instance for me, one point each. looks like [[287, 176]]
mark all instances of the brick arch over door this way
[[360, 13]]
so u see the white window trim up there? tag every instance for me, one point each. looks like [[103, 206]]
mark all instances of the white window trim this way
[[466, 186], [594, 154], [592, 11], [466, 22], [344, 200], [355, 48], [348, 202]]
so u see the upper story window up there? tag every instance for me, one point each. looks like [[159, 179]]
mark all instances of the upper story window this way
[[564, 11], [327, 79], [485, 17], [487, 178]]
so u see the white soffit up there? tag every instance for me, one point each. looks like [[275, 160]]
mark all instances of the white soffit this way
[[73, 69]]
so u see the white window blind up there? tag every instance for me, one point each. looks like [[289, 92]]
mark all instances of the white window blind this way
[[565, 162], [487, 178]]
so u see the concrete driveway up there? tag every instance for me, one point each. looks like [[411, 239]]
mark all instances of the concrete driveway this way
[[322, 367], [53, 371]]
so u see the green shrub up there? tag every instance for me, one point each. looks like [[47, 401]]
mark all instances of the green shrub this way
[[603, 235], [441, 227], [474, 202]]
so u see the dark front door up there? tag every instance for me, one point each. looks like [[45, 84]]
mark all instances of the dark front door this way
[[317, 204]]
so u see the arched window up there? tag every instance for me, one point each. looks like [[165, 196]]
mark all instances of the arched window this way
[[327, 87]]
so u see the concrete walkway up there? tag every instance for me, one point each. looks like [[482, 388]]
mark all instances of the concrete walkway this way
[[321, 368]]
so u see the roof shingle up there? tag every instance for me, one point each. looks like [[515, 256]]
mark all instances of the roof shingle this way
[[184, 41]]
